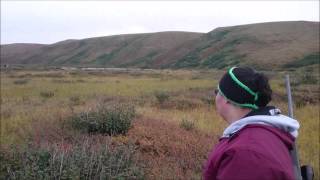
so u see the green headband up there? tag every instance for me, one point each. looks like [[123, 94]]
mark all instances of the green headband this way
[[246, 88], [246, 105]]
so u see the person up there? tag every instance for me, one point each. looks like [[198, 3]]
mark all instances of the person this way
[[257, 142]]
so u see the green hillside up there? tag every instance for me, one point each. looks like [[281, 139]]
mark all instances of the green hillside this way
[[274, 45], [264, 46]]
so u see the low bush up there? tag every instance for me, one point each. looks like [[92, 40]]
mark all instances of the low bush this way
[[307, 60], [80, 81], [62, 81], [49, 75], [304, 78], [188, 61], [47, 94], [169, 151], [108, 118], [309, 79], [81, 161], [161, 96], [21, 81], [184, 103], [75, 100]]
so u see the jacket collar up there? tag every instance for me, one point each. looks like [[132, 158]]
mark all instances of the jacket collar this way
[[269, 116]]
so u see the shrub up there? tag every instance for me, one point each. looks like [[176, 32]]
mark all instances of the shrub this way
[[80, 81], [81, 161], [309, 79], [75, 100], [47, 94], [111, 119], [190, 60], [187, 124], [307, 60], [21, 81], [303, 78], [184, 104], [161, 96], [49, 75], [62, 81], [218, 35]]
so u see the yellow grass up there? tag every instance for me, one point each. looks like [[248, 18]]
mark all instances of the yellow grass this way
[[308, 140], [115, 86]]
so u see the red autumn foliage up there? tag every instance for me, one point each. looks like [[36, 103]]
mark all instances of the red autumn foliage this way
[[168, 151]]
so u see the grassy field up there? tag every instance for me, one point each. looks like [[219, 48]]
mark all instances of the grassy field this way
[[173, 131]]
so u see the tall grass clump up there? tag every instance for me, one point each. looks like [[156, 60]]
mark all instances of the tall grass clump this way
[[80, 161], [112, 119], [187, 124]]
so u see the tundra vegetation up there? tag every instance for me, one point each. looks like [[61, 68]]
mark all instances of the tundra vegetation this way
[[141, 124]]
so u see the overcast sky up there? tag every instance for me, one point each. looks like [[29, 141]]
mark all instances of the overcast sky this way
[[52, 21]]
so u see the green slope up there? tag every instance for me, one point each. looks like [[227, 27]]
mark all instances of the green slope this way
[[274, 45]]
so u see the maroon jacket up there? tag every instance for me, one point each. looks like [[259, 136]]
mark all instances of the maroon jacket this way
[[255, 152]]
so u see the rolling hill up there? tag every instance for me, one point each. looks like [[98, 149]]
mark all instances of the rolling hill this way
[[273, 45], [264, 46]]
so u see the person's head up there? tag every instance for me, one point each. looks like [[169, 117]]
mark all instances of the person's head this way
[[240, 91]]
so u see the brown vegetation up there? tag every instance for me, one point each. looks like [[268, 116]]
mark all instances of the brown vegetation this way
[[168, 150]]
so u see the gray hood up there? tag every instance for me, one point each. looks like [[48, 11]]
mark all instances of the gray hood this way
[[279, 121]]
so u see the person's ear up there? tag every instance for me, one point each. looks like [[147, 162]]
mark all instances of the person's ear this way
[[225, 101], [228, 102]]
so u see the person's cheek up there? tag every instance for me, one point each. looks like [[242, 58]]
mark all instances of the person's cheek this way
[[218, 101]]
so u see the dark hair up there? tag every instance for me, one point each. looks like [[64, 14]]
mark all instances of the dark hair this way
[[258, 82], [232, 87]]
